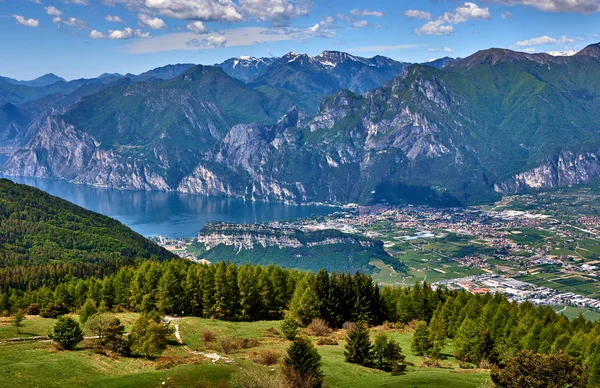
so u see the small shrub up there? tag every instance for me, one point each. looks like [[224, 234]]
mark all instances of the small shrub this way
[[466, 365], [327, 341], [54, 310], [267, 357], [431, 362], [33, 309], [398, 369], [348, 326], [208, 336], [99, 349], [227, 344], [485, 364], [247, 343], [319, 328]]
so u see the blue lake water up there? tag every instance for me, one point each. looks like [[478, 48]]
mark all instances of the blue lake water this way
[[169, 214]]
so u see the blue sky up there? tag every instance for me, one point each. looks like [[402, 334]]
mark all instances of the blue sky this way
[[85, 38]]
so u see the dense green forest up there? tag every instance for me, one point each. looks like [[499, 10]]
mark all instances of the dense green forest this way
[[37, 228], [484, 328]]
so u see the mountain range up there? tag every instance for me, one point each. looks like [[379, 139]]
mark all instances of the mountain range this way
[[331, 128]]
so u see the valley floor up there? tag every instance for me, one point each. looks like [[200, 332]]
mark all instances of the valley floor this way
[[34, 364]]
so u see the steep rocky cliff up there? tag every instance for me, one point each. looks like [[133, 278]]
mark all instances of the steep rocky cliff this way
[[292, 247]]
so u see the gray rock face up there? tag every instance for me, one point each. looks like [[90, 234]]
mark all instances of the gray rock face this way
[[248, 236], [59, 150], [565, 169]]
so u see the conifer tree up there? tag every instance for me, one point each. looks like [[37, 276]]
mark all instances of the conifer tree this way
[[421, 344], [302, 365], [466, 341], [386, 352], [358, 345], [486, 348], [67, 333]]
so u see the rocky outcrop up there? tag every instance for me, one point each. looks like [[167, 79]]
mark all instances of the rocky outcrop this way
[[249, 236], [563, 170]]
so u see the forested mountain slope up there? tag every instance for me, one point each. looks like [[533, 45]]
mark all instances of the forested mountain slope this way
[[37, 228]]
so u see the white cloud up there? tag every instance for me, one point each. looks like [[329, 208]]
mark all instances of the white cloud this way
[[94, 34], [579, 6], [436, 27], [543, 40], [444, 25], [36, 1], [26, 22], [198, 27], [154, 23], [79, 2], [443, 49], [127, 33], [366, 12], [278, 11], [71, 22], [235, 37], [506, 15], [416, 14], [113, 19], [209, 42], [53, 11], [360, 24], [467, 11], [205, 10]]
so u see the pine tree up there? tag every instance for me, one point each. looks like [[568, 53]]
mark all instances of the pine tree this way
[[466, 341], [168, 290], [18, 320], [305, 305], [404, 308], [88, 309], [358, 345], [437, 328], [486, 348], [250, 306], [67, 333], [303, 365], [386, 352], [208, 291], [421, 344]]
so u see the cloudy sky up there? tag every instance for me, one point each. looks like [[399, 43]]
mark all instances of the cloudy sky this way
[[84, 38]]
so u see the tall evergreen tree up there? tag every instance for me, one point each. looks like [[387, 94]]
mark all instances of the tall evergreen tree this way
[[303, 365], [421, 344], [358, 345]]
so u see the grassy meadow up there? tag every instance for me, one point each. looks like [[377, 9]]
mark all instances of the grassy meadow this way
[[34, 364]]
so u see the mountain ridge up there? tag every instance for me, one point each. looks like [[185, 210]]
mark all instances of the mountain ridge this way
[[459, 134]]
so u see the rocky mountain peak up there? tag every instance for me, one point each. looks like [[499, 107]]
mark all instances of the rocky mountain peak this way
[[593, 50], [334, 58]]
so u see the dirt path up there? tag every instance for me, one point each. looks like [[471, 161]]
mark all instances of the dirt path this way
[[214, 357]]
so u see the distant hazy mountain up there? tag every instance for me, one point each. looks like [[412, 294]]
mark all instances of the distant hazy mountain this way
[[310, 79], [245, 68], [44, 80], [493, 123], [162, 73], [440, 63]]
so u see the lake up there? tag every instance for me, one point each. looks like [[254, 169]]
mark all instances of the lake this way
[[169, 214]]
